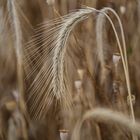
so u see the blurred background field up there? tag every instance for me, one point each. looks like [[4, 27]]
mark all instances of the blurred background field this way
[[89, 88]]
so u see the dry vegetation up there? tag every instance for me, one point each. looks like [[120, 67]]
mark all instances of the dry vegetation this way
[[69, 69]]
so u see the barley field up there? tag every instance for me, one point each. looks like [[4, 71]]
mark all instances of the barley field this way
[[69, 70]]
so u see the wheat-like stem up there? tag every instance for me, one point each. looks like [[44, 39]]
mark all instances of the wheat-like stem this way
[[100, 21], [15, 22], [18, 45], [125, 64], [102, 115], [122, 52]]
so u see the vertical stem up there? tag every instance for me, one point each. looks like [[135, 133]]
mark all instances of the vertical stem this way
[[18, 50]]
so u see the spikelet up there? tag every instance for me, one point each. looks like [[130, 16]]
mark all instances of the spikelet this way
[[48, 68]]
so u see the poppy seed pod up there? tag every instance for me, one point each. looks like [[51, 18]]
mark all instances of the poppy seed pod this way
[[50, 2]]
